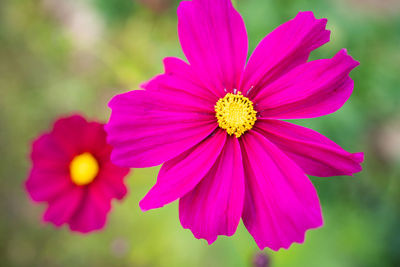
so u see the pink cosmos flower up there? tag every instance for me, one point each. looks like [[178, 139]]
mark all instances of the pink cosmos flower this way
[[72, 172], [215, 123]]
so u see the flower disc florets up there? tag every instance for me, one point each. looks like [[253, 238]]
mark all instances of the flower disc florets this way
[[83, 169], [235, 114]]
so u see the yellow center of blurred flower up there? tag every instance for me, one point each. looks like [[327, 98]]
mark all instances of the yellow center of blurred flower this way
[[83, 169], [235, 114]]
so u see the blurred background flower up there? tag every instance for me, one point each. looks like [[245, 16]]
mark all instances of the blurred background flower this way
[[58, 57], [73, 174]]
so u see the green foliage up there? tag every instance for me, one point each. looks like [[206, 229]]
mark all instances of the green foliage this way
[[115, 10]]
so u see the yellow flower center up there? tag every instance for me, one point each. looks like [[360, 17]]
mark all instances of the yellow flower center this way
[[235, 114], [83, 169]]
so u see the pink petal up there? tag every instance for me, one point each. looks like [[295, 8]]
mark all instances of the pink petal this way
[[49, 175], [313, 89], [286, 47], [47, 153], [281, 203], [180, 79], [147, 128], [214, 40], [93, 140], [215, 205], [111, 179], [181, 174], [45, 185], [67, 132], [313, 152], [64, 206], [93, 210]]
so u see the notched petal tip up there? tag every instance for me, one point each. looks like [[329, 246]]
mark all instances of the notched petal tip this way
[[210, 239], [343, 55], [320, 34], [357, 158], [318, 223], [310, 17], [288, 245]]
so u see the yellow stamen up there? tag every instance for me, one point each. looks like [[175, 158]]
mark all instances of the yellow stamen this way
[[83, 169], [235, 114]]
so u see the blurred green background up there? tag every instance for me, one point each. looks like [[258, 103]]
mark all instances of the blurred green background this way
[[63, 56]]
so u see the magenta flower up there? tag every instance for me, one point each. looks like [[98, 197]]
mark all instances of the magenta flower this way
[[215, 124], [72, 172]]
